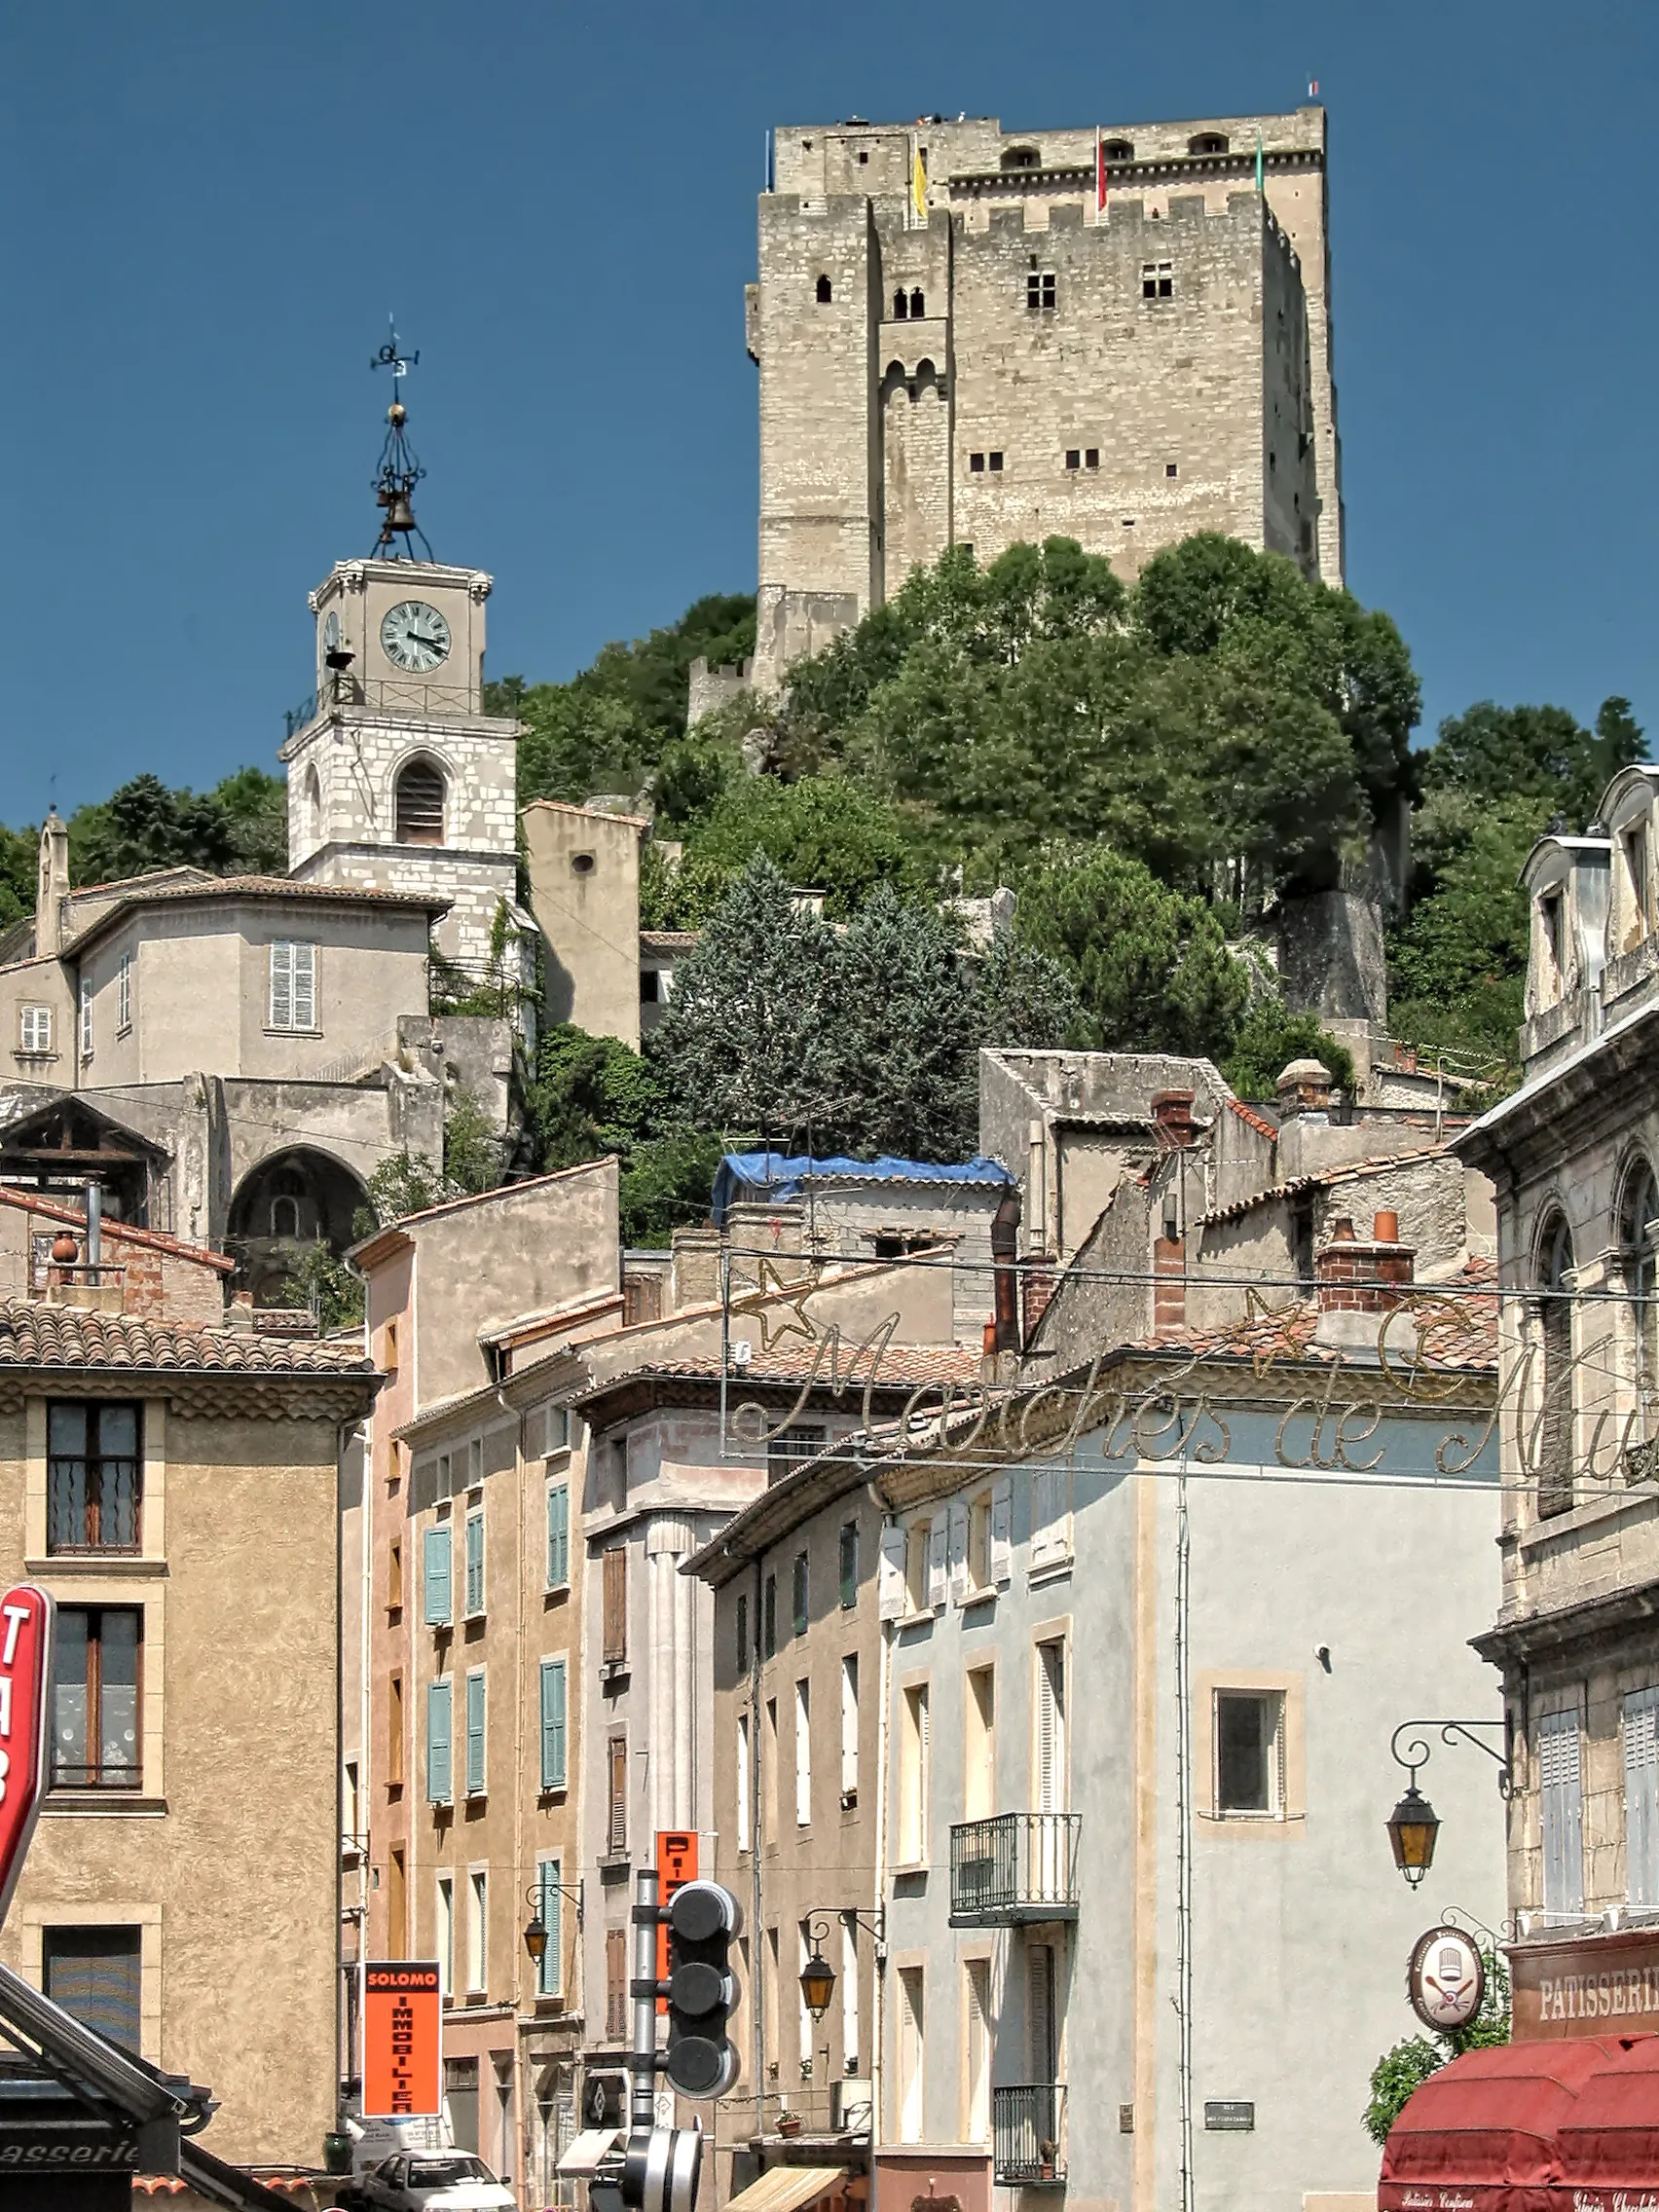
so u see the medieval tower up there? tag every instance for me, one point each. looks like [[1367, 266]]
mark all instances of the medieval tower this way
[[968, 335]]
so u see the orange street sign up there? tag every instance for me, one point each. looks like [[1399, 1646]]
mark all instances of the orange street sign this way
[[402, 2024]]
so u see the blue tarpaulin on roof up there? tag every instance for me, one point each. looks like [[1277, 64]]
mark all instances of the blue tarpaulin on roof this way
[[786, 1175]]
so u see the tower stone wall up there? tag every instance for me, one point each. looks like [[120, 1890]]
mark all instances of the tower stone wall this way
[[1012, 364]]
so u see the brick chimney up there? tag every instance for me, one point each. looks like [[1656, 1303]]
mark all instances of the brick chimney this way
[[1037, 1287], [1169, 1285], [1172, 1110], [1304, 1087], [1358, 1281]]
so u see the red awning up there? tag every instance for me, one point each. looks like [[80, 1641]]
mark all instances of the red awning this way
[[1609, 2140], [1483, 2135]]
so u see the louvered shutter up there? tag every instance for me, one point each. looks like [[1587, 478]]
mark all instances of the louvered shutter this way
[[474, 1564], [549, 1975], [938, 1562], [1040, 2010], [305, 985], [1002, 1530], [1641, 1797], [956, 1543], [1561, 1788], [615, 1604], [558, 1536], [1051, 1727], [475, 1733], [281, 986], [440, 1723], [437, 1608], [890, 1594], [552, 1723]]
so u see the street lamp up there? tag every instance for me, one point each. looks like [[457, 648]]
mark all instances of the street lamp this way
[[818, 1976], [1414, 1824], [1413, 1827], [536, 1936]]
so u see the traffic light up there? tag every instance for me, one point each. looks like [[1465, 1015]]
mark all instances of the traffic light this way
[[703, 1920]]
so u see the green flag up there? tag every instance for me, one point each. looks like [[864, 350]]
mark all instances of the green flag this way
[[1258, 161]]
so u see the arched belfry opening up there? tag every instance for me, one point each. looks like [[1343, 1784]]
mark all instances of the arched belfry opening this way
[[418, 804]]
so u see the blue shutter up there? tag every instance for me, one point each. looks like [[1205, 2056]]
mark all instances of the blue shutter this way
[[436, 1577], [558, 1536], [550, 1974], [440, 1762], [474, 1564], [552, 1723], [475, 1733]]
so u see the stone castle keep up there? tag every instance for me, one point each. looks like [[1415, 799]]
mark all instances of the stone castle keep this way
[[1016, 363]]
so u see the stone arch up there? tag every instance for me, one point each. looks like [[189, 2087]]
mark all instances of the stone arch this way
[[419, 800], [1117, 149], [296, 1197], [1023, 158], [1208, 142], [1552, 1274], [1636, 1220]]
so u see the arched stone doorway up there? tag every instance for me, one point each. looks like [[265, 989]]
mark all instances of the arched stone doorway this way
[[292, 1201]]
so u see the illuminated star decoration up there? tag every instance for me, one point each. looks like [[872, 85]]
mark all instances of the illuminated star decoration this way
[[791, 1297]]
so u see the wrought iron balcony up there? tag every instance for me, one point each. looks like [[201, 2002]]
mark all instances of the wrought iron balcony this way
[[1028, 2125], [1013, 1866]]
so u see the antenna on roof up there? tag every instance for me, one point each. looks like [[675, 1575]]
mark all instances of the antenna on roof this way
[[399, 470]]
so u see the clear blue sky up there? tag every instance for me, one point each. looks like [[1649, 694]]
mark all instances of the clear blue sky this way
[[209, 210]]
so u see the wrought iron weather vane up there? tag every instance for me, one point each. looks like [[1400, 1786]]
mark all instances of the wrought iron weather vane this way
[[399, 470]]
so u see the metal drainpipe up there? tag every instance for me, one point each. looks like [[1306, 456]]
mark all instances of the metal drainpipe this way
[[757, 1938], [1184, 1829], [878, 1980]]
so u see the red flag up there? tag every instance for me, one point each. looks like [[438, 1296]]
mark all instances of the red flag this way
[[1100, 172]]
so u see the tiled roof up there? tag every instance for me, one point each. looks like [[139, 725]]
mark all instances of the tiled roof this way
[[1449, 1325], [124, 1232], [1258, 1122], [253, 887], [35, 1334], [1375, 1164], [897, 1367]]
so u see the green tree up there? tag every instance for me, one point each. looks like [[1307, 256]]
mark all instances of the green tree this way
[[1270, 1037], [472, 1147], [1540, 753], [1408, 2064], [824, 832], [745, 1043], [1152, 969]]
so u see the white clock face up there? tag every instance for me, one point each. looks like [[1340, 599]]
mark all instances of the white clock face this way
[[415, 637]]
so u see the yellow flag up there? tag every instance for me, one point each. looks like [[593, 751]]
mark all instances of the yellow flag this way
[[919, 187]]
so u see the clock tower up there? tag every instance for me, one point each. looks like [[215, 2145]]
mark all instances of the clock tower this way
[[400, 781]]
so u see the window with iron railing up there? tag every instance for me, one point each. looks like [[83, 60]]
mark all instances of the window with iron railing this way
[[93, 1477]]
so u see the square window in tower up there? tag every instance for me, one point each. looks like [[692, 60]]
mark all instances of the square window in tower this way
[[975, 465], [1074, 458], [1091, 459], [1039, 289], [1170, 468], [1157, 281], [996, 463]]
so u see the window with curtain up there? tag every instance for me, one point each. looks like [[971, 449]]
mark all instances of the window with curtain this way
[[95, 1974], [93, 1477], [96, 1667]]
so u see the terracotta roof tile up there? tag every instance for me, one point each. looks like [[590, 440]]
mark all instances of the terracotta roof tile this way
[[1258, 1122], [899, 1367], [38, 1335], [1456, 1327], [124, 1232], [1374, 1163]]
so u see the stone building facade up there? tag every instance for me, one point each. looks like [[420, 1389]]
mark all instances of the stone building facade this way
[[173, 1487], [1573, 1154], [1006, 361]]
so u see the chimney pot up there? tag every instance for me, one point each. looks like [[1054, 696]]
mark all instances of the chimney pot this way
[[1342, 1229], [1386, 1229], [1172, 1111]]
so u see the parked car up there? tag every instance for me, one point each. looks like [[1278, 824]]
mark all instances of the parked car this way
[[435, 2181]]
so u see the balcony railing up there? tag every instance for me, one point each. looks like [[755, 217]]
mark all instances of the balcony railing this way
[[1028, 2126], [1015, 1866]]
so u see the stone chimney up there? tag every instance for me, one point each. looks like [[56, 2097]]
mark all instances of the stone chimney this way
[[51, 887], [1172, 1110], [1358, 1282], [1304, 1087]]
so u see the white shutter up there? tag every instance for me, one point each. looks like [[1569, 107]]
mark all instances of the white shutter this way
[[305, 985], [1042, 1515], [1002, 1530], [956, 1541], [890, 1581], [281, 986], [938, 1556], [1561, 1788], [849, 1723], [1642, 1798], [1051, 1727]]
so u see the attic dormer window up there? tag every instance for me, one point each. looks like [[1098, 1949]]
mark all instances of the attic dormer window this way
[[418, 804], [1550, 922], [1636, 918]]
